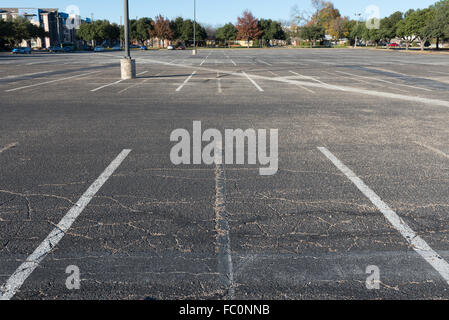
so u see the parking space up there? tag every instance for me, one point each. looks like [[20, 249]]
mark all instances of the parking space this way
[[158, 231]]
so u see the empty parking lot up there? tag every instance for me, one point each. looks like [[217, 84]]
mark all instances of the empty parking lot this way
[[87, 181]]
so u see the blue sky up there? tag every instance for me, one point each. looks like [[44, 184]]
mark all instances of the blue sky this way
[[214, 12]]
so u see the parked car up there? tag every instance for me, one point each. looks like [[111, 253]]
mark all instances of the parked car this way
[[143, 48], [55, 49], [68, 49], [393, 45], [170, 48], [117, 48], [23, 50], [133, 46], [181, 48], [98, 49]]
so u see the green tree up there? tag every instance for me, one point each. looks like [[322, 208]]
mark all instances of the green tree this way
[[6, 32], [271, 30], [99, 31], [438, 26], [20, 29], [416, 26], [176, 27], [141, 29], [389, 26], [227, 33], [312, 33]]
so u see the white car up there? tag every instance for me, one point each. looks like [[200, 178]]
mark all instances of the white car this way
[[170, 48]]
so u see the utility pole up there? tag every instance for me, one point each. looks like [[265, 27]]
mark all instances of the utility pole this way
[[194, 27], [357, 15], [128, 65]]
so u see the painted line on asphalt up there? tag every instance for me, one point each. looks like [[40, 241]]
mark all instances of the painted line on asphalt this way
[[223, 249], [268, 64], [185, 81], [304, 88], [437, 151], [114, 83], [51, 81], [312, 78], [9, 146], [252, 81], [10, 288], [374, 93], [220, 89], [385, 81], [233, 62], [137, 84], [106, 85], [364, 81], [416, 242], [24, 75]]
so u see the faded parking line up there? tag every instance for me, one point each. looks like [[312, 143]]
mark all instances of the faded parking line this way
[[14, 283], [185, 81], [51, 81], [8, 146], [252, 81], [113, 83], [437, 151], [385, 81], [416, 242]]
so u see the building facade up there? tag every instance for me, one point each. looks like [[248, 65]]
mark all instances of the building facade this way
[[61, 27]]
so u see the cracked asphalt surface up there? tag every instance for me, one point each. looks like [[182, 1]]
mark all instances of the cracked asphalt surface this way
[[151, 231]]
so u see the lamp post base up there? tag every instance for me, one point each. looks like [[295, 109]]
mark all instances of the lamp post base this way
[[194, 52], [128, 68]]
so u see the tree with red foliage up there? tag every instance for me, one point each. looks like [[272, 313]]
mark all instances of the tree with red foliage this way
[[162, 29], [248, 27]]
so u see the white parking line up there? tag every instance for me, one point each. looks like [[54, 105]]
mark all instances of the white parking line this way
[[114, 83], [185, 81], [268, 64], [235, 64], [374, 93], [8, 146], [52, 81], [106, 85], [24, 75], [364, 81], [437, 151], [14, 283], [137, 84], [314, 79], [252, 81], [386, 81], [416, 242], [220, 90]]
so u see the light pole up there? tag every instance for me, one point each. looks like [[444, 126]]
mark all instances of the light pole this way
[[358, 15], [128, 65], [194, 27]]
